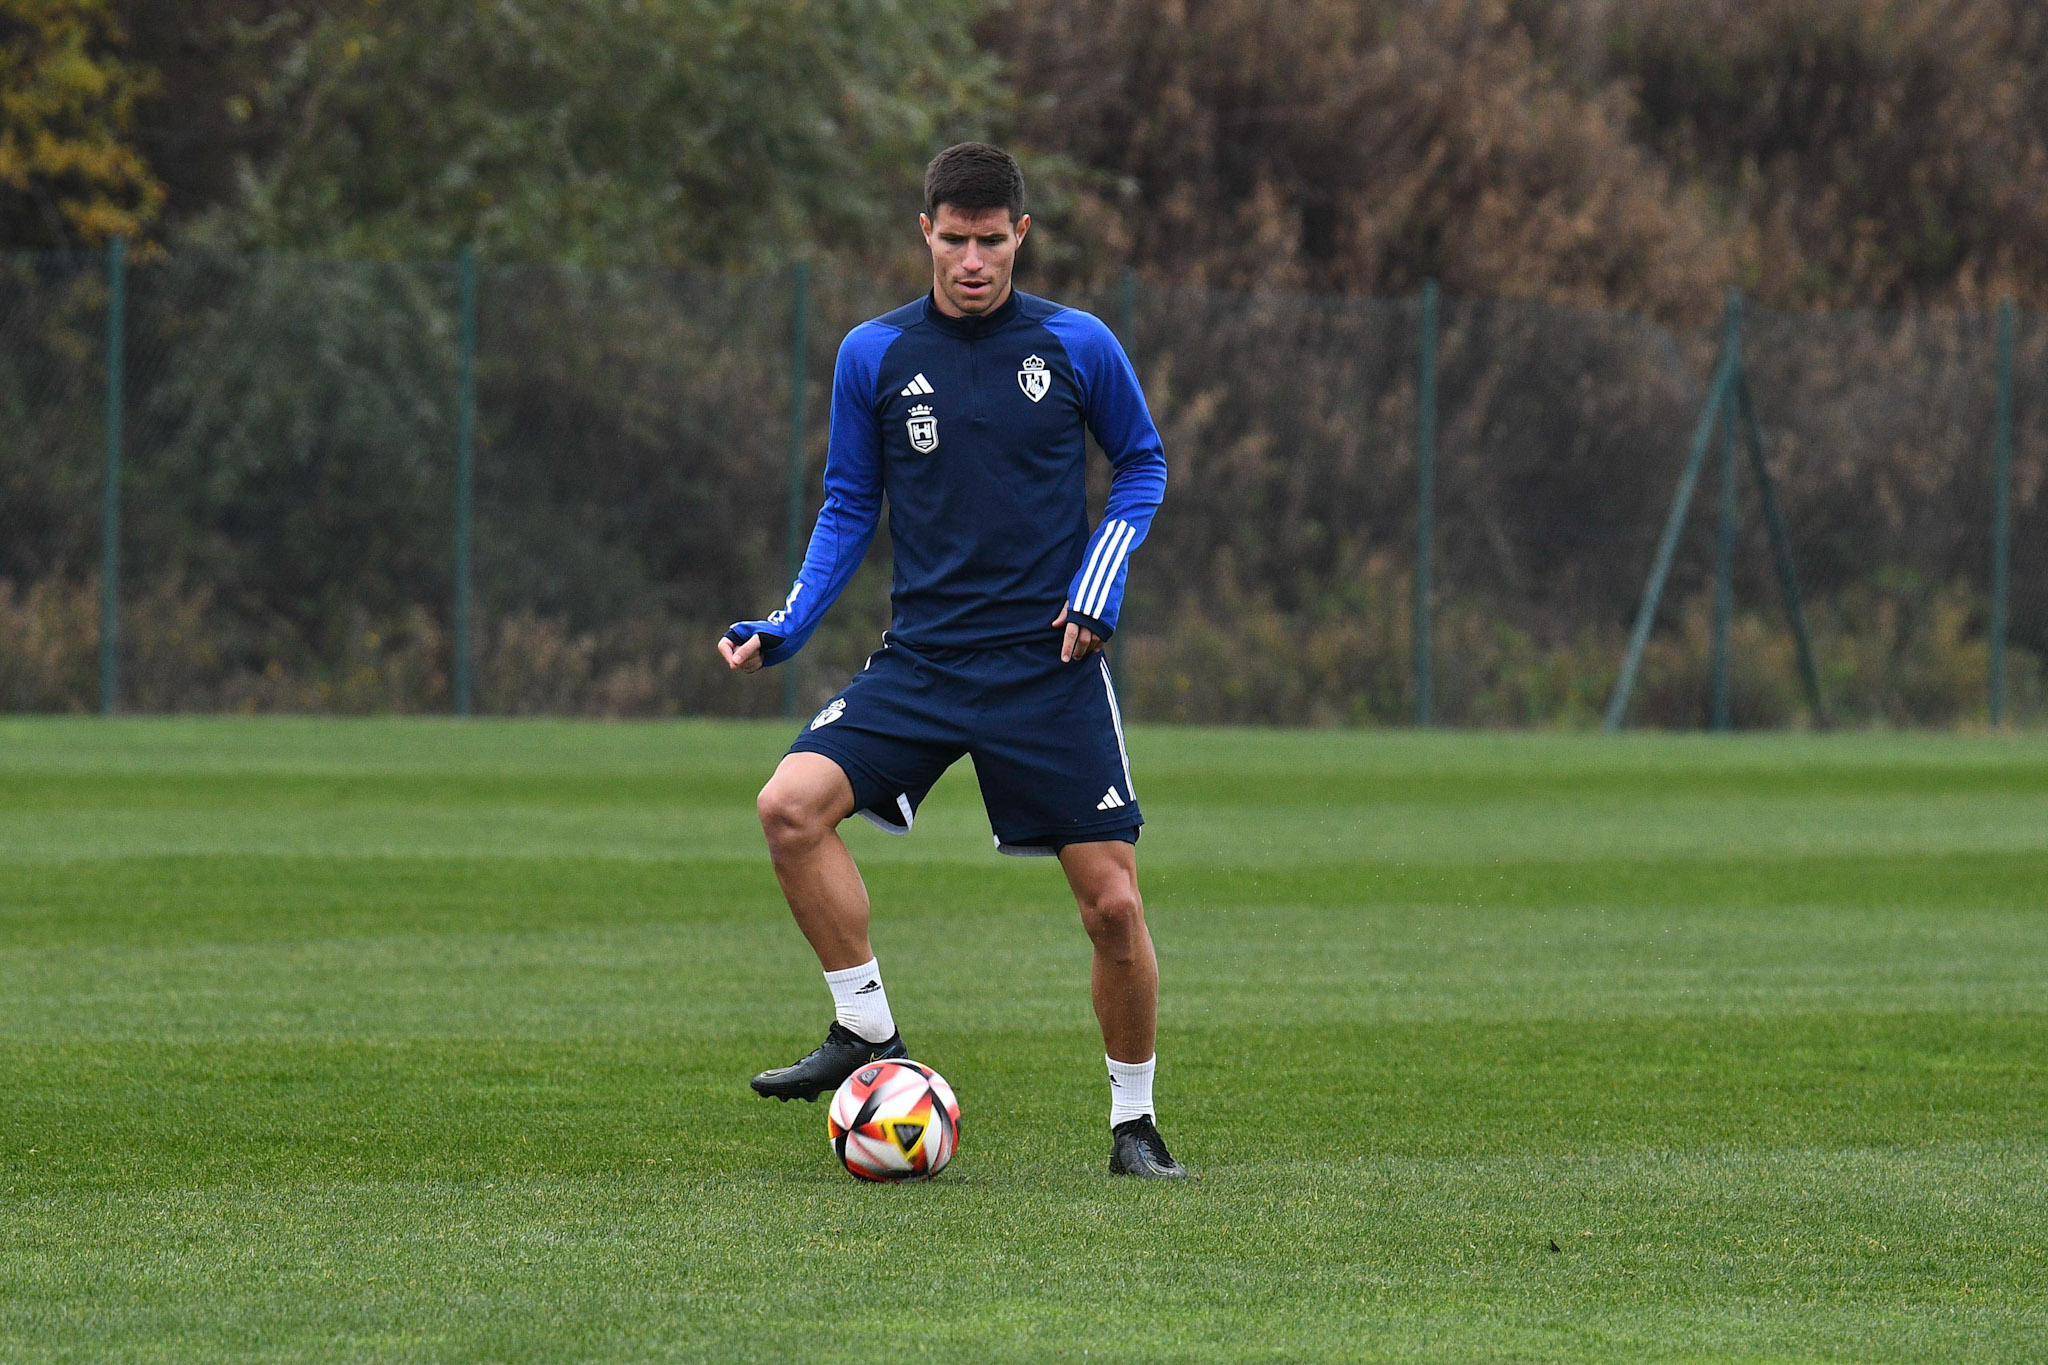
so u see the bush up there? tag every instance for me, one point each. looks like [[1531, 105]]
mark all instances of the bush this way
[[49, 646]]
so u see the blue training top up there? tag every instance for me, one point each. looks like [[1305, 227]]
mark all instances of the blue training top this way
[[975, 430]]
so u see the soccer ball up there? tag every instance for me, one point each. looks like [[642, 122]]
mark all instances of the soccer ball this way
[[894, 1120]]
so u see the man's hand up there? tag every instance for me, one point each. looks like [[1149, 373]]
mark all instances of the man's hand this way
[[1080, 641], [744, 658]]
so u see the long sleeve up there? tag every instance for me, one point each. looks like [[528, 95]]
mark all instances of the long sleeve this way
[[853, 503], [1117, 415]]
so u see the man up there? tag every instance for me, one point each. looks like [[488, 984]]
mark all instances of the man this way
[[968, 410]]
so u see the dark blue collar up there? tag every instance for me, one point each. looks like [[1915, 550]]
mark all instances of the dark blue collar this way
[[973, 328]]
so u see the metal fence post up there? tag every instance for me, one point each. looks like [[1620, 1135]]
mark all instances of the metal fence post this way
[[2001, 512], [465, 485], [110, 493], [799, 343], [1425, 504], [1724, 541]]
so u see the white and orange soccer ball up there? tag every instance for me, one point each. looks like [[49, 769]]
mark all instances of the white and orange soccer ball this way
[[894, 1120]]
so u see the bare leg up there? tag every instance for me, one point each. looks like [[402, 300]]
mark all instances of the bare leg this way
[[1124, 981], [800, 810]]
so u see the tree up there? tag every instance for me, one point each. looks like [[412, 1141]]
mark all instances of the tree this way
[[606, 131], [70, 174], [1867, 152], [209, 61], [1356, 147]]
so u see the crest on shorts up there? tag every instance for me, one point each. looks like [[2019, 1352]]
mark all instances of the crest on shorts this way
[[923, 429], [1034, 378], [832, 712]]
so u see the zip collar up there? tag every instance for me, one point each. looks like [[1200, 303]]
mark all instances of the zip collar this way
[[972, 328]]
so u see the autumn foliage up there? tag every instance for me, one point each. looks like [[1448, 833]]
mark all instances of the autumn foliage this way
[[1252, 191], [71, 173], [1644, 155]]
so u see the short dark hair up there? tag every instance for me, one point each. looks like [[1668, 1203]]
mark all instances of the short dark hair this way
[[974, 176]]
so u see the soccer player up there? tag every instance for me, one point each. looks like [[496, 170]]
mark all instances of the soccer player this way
[[968, 409]]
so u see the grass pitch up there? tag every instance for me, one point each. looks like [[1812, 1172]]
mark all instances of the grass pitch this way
[[413, 1040]]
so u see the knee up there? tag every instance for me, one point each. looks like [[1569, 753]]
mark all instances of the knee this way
[[1115, 920], [787, 818]]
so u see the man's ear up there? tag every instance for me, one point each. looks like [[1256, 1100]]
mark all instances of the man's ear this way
[[1023, 226]]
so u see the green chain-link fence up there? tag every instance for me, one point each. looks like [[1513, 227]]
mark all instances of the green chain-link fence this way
[[293, 519]]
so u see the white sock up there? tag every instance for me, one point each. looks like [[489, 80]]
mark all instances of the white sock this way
[[862, 1003], [1130, 1089]]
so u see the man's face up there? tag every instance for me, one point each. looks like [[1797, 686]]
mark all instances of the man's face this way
[[973, 252]]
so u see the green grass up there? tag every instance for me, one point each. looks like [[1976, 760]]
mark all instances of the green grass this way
[[412, 1040]]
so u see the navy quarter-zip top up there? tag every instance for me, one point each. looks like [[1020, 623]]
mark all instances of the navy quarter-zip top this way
[[975, 430]]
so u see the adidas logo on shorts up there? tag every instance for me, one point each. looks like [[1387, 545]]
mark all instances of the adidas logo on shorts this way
[[1110, 800]]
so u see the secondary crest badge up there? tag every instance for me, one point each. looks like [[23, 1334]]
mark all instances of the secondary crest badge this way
[[833, 712], [923, 429], [1034, 378]]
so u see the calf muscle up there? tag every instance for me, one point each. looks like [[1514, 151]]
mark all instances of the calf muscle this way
[[1124, 979]]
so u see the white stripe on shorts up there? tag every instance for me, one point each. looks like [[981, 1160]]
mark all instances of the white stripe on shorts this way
[[1116, 719]]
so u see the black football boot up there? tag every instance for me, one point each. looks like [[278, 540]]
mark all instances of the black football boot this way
[[841, 1054], [1137, 1149]]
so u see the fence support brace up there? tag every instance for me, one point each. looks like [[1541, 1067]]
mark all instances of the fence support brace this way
[[1728, 403], [1781, 549], [1667, 543], [110, 493]]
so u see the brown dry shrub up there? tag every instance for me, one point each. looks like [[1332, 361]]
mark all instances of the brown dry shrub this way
[[1886, 152], [1348, 660], [1356, 147], [49, 646]]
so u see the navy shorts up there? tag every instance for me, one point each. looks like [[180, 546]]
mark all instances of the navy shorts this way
[[1045, 736]]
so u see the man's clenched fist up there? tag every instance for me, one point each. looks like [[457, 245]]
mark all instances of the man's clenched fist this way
[[746, 658]]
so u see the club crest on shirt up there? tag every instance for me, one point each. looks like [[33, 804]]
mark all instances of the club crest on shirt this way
[[1034, 378], [923, 429]]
